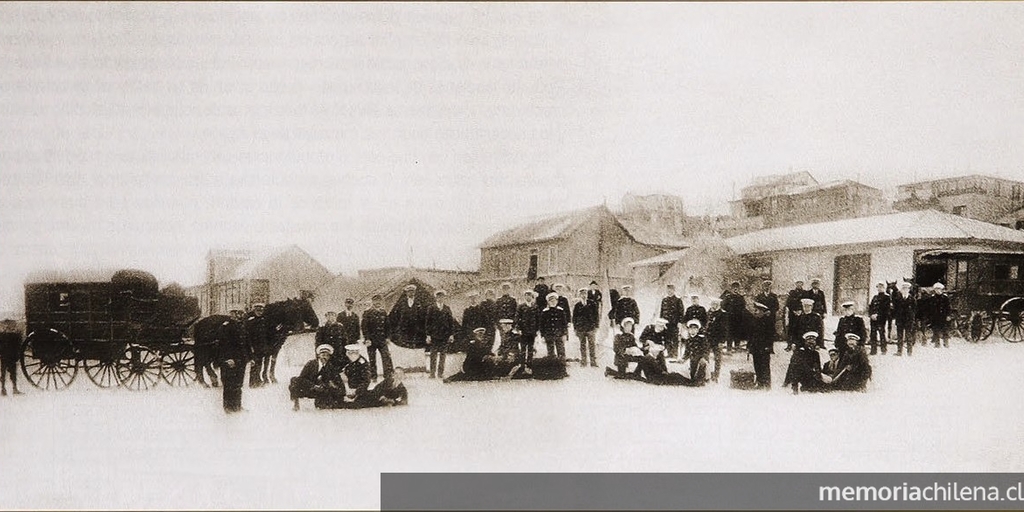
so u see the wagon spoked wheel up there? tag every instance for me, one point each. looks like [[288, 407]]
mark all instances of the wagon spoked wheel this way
[[1011, 320], [48, 360], [179, 367], [981, 326], [101, 373], [139, 368]]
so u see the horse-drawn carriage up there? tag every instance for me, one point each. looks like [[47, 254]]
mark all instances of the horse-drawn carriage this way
[[986, 289], [118, 327]]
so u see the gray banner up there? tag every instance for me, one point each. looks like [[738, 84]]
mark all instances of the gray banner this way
[[702, 491]]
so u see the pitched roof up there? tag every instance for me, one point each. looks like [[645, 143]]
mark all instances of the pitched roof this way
[[563, 225], [256, 259], [889, 228], [661, 259], [553, 227], [825, 186]]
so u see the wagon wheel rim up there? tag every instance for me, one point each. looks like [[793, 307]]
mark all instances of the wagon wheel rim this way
[[179, 368], [48, 361], [102, 373], [139, 368], [988, 324], [1011, 320]]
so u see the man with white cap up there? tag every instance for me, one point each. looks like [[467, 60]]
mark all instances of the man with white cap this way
[[878, 311], [375, 335], [257, 330], [408, 319], [697, 312], [319, 379], [506, 304], [526, 325], [938, 313], [586, 319], [508, 341], [816, 293], [854, 367], [627, 350], [672, 312], [626, 305], [355, 375], [563, 301], [804, 372], [761, 344], [716, 331], [848, 323], [811, 321], [472, 316], [554, 327], [770, 300], [655, 339], [331, 332], [904, 308], [794, 309], [479, 361], [489, 313], [440, 330], [735, 307], [697, 350]]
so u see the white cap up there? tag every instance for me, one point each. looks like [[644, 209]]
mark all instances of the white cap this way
[[479, 329], [628, 319], [325, 348], [939, 286], [693, 323], [810, 334], [353, 347], [807, 301], [852, 336], [551, 295], [505, 321]]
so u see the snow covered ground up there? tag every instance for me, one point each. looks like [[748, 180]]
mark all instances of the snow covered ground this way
[[957, 409]]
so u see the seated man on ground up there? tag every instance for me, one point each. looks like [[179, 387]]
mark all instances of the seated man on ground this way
[[627, 351], [319, 379], [698, 347], [390, 392], [854, 367], [831, 367], [479, 362], [804, 372], [356, 377]]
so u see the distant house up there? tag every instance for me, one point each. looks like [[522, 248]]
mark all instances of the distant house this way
[[236, 279], [983, 198], [574, 248], [389, 283], [798, 198], [850, 255]]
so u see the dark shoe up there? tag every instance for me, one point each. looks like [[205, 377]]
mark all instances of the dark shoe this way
[[593, 365], [16, 392], [899, 353], [608, 372], [273, 380], [295, 406], [3, 392]]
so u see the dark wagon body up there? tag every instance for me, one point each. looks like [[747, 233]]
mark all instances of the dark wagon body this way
[[986, 289], [118, 327]]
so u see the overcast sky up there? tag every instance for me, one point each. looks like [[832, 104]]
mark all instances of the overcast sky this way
[[141, 135]]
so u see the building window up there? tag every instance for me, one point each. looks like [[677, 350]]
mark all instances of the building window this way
[[960, 210], [1020, 224], [531, 272]]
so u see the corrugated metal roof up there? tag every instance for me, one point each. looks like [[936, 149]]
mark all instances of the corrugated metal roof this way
[[918, 225]]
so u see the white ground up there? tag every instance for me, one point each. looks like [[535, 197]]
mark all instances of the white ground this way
[[942, 410]]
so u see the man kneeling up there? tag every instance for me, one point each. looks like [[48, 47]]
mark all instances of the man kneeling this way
[[390, 392], [320, 380]]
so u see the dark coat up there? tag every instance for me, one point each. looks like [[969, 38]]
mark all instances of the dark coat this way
[[849, 324], [716, 330], [542, 291], [488, 314], [331, 334], [735, 305], [881, 305], [585, 316], [672, 310], [508, 341], [697, 347], [793, 300], [358, 374], [696, 311], [804, 368], [10, 346], [387, 393], [623, 341], [904, 308], [472, 317], [441, 324], [939, 310], [329, 375], [476, 365], [661, 338], [563, 303], [408, 323], [596, 298], [375, 326], [626, 307], [762, 334], [257, 330], [554, 322], [819, 300], [527, 320], [812, 321], [856, 370], [232, 343], [770, 300], [506, 307], [349, 321]]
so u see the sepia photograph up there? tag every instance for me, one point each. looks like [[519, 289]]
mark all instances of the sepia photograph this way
[[259, 255]]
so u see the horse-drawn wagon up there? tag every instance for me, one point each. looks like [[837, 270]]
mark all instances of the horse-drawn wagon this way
[[118, 327], [986, 289]]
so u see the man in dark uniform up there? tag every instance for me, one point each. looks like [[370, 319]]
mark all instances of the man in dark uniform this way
[[904, 306], [375, 331], [479, 361], [811, 321], [760, 345], [656, 333], [349, 321], [542, 291], [717, 331], [804, 372], [627, 350], [10, 352], [234, 350], [472, 316], [697, 351], [878, 311], [506, 304], [793, 311], [441, 328], [585, 317], [626, 306], [695, 311], [319, 379], [408, 319], [526, 325], [771, 301], [257, 331], [938, 315], [848, 323], [563, 301], [735, 307], [854, 367], [390, 392], [356, 377], [489, 313], [595, 297], [818, 295], [554, 327], [831, 367], [508, 341], [331, 333], [672, 311]]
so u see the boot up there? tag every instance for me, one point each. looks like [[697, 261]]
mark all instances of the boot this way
[[295, 406], [3, 392]]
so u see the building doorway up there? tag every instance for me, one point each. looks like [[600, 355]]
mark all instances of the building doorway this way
[[852, 280]]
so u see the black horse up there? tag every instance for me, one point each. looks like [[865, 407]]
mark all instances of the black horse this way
[[283, 318]]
